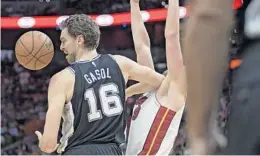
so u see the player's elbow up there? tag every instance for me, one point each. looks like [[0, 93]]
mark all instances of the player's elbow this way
[[158, 80]]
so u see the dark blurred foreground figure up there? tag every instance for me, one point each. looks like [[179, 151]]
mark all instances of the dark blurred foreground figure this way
[[243, 126], [206, 56]]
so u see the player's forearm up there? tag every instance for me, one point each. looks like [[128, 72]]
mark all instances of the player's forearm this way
[[147, 76], [48, 142], [144, 57], [174, 57], [173, 48], [138, 88], [140, 35], [206, 58], [172, 19]]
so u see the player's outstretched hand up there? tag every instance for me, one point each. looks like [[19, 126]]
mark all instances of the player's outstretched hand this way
[[39, 135]]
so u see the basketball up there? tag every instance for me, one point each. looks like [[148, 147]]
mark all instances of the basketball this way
[[34, 50]]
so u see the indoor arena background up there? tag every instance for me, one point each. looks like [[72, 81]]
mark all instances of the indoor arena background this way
[[24, 92]]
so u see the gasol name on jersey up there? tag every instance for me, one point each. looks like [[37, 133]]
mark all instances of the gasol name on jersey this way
[[99, 74]]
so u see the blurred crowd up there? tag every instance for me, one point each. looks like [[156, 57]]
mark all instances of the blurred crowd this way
[[62, 7], [113, 6], [28, 8], [23, 105]]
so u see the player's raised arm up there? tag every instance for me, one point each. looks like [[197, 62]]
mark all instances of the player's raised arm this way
[[140, 36], [142, 47], [176, 72], [173, 47], [135, 71]]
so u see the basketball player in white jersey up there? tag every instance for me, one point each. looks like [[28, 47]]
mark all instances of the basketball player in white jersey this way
[[157, 114]]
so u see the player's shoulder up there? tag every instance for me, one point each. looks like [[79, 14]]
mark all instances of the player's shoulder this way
[[119, 57], [64, 76], [122, 60]]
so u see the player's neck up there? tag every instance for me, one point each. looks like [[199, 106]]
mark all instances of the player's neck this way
[[87, 55]]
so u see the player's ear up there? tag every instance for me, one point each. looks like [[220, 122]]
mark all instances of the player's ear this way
[[80, 40]]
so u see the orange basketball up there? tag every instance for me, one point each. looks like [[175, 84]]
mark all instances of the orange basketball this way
[[34, 50]]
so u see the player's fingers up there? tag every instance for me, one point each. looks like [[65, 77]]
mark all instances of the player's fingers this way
[[39, 134], [57, 146]]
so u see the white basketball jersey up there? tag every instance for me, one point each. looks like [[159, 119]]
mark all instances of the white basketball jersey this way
[[153, 127]]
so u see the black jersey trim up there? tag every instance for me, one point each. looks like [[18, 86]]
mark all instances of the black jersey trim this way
[[71, 70], [111, 56], [85, 61]]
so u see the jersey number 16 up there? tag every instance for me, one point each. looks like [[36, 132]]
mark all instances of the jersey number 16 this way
[[111, 104]]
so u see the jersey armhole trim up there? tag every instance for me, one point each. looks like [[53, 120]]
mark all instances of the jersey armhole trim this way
[[118, 66], [71, 70], [157, 100], [111, 56]]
